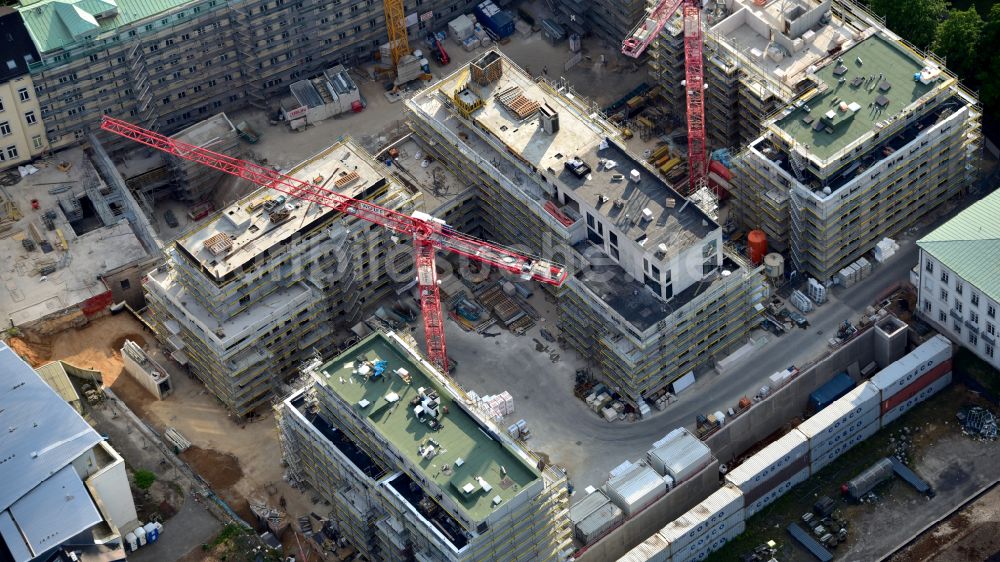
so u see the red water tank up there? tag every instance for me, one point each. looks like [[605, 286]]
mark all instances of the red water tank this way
[[757, 242]]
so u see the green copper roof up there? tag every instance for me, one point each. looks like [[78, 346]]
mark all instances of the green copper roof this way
[[969, 245], [54, 24]]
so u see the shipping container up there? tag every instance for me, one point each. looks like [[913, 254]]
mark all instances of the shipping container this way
[[581, 509], [926, 392], [708, 517], [690, 549], [820, 460], [598, 523], [653, 549], [853, 411], [719, 542], [634, 490], [500, 22], [902, 373], [768, 461], [871, 477], [681, 457], [776, 492], [783, 475], [839, 385]]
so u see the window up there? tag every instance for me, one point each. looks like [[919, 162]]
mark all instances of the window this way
[[612, 238], [942, 317], [929, 266], [126, 285], [36, 141], [1, 104], [991, 311], [991, 329], [973, 338], [958, 287], [958, 306], [973, 317], [23, 95], [974, 298], [11, 152], [29, 118], [944, 296], [957, 326], [245, 299], [4, 128], [927, 305], [944, 276], [989, 350]]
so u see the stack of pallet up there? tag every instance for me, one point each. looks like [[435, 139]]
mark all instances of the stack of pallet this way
[[516, 102]]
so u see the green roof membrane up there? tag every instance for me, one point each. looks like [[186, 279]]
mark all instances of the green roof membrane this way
[[460, 436], [56, 24], [969, 245], [860, 100]]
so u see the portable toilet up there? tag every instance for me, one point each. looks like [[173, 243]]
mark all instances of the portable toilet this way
[[140, 536], [131, 543], [152, 533], [159, 528]]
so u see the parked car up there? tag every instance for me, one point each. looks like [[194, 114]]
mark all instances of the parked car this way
[[171, 219]]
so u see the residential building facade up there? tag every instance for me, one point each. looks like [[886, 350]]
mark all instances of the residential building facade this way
[[265, 284], [957, 290], [363, 433], [22, 133], [170, 63], [652, 295], [610, 20]]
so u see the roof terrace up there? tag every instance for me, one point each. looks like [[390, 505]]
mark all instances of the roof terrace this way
[[415, 410]]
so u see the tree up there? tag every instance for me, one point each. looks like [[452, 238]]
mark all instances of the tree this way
[[989, 62], [144, 479], [914, 20], [958, 41]]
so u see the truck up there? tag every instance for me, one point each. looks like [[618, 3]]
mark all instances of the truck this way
[[246, 132], [839, 385]]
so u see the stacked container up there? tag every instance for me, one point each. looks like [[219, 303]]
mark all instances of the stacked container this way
[[841, 425], [771, 472], [707, 522], [913, 378], [653, 549], [635, 489], [680, 456]]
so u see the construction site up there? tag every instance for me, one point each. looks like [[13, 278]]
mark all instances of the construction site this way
[[484, 281]]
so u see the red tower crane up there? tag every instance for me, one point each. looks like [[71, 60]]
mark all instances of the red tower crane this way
[[429, 234], [643, 36]]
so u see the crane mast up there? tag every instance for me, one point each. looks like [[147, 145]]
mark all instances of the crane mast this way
[[643, 36], [429, 234]]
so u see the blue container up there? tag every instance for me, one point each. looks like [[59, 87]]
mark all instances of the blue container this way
[[827, 394], [500, 22]]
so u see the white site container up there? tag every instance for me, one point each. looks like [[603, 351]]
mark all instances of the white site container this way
[[636, 489], [931, 389], [681, 457], [708, 517], [776, 492], [588, 505], [850, 413], [669, 437], [598, 523], [717, 543], [768, 461], [654, 549], [909, 368], [818, 461]]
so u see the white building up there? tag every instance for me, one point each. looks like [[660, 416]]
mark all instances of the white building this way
[[62, 483], [959, 286]]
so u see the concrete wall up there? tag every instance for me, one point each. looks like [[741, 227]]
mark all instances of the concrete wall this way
[[110, 490], [789, 402], [671, 506]]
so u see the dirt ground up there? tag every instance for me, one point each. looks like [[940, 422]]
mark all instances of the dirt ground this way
[[239, 461], [969, 534]]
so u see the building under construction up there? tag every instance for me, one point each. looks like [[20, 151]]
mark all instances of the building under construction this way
[[845, 133], [261, 287], [609, 20], [410, 470], [170, 63], [653, 296]]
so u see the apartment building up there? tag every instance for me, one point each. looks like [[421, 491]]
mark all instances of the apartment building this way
[[65, 488], [22, 134], [652, 295], [166, 64], [885, 137], [957, 291], [610, 20], [410, 470], [266, 283]]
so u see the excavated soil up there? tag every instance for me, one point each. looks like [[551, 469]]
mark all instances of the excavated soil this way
[[219, 469]]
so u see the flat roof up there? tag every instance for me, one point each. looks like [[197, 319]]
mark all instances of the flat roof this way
[[54, 24], [438, 186], [461, 436], [208, 131], [608, 190], [247, 227], [750, 28], [887, 86], [25, 297]]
